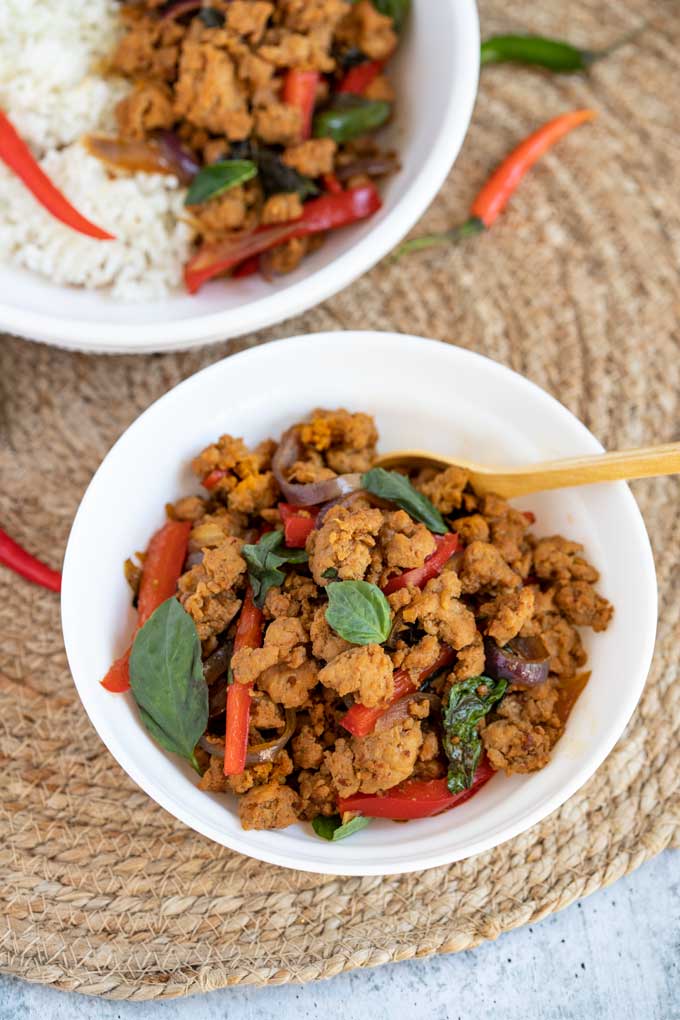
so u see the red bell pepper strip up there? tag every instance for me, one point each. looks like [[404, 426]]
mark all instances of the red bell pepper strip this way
[[248, 635], [332, 184], [163, 565], [415, 798], [18, 157], [358, 78], [360, 721], [419, 576], [298, 524], [21, 562], [328, 212], [211, 480], [247, 268], [299, 90]]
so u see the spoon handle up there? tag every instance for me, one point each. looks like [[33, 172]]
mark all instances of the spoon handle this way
[[622, 465]]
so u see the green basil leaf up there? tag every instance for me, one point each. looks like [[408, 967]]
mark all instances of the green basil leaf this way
[[331, 574], [396, 488], [217, 178], [331, 828], [166, 677], [358, 612], [265, 560], [350, 117], [397, 10], [467, 704]]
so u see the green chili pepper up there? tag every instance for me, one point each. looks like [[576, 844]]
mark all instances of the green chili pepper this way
[[553, 54], [349, 117], [528, 49]]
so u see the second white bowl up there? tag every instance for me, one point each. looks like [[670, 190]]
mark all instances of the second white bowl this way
[[435, 74]]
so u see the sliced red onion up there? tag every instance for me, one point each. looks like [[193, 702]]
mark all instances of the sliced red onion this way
[[217, 663], [340, 501], [314, 493], [257, 753], [399, 710], [179, 7], [180, 158], [373, 166], [524, 661]]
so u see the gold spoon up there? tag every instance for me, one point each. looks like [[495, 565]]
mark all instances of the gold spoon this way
[[623, 465]]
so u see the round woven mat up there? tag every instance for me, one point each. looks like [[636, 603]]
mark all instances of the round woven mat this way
[[577, 287]]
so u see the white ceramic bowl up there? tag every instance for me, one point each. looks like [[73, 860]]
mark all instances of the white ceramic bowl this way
[[423, 394], [435, 73]]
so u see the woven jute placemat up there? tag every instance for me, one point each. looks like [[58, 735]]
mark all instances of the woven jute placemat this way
[[577, 287]]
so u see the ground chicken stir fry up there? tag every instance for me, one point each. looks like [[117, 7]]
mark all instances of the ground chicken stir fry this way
[[267, 108], [373, 644]]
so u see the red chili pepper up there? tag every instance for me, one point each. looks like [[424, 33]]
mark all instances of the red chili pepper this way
[[21, 562], [419, 576], [360, 721], [18, 157], [358, 78], [248, 635], [163, 565], [498, 190], [299, 90], [332, 184], [415, 798], [530, 516], [298, 524], [328, 212], [496, 193]]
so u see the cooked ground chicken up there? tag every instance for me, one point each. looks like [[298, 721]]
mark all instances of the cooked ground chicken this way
[[502, 583]]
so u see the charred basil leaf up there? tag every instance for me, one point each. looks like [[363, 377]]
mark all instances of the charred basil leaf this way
[[211, 17], [276, 177], [396, 488], [166, 677], [265, 560], [351, 57], [467, 704], [358, 612], [397, 10], [331, 828], [217, 178]]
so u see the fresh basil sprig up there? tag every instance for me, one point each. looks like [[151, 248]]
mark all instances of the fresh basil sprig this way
[[397, 10], [358, 612], [264, 562], [331, 828], [166, 677], [396, 488], [217, 178], [467, 704]]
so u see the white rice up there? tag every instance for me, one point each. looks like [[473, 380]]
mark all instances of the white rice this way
[[49, 86]]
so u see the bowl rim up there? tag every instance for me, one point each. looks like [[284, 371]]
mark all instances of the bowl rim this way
[[105, 337], [621, 711]]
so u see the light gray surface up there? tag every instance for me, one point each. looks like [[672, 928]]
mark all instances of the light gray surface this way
[[615, 956]]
